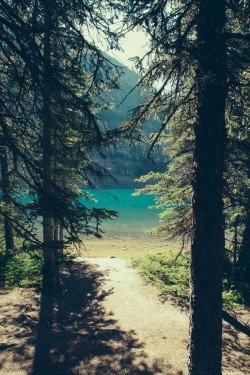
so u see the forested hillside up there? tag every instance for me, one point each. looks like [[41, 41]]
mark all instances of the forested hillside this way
[[126, 161]]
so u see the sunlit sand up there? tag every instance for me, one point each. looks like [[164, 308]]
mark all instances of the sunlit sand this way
[[126, 245]]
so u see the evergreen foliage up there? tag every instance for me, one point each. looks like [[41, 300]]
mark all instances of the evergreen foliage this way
[[169, 272], [193, 70], [173, 187], [54, 83], [24, 268], [78, 73]]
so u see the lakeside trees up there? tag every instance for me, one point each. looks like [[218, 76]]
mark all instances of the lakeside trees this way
[[53, 83], [174, 186], [208, 223], [51, 79], [194, 59]]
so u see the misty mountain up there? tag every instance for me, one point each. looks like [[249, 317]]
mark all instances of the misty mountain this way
[[126, 162]]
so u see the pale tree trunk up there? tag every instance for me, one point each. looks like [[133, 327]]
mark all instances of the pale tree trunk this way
[[5, 186], [48, 250], [208, 232]]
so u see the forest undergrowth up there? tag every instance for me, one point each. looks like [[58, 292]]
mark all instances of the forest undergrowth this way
[[169, 272], [23, 268]]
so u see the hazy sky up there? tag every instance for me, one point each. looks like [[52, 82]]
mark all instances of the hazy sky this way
[[134, 44]]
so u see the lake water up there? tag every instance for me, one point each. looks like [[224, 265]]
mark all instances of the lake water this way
[[134, 216]]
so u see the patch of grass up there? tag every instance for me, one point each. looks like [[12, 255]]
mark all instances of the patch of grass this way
[[170, 274], [166, 272], [24, 268]]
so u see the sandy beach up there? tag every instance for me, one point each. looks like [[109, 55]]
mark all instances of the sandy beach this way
[[126, 245]]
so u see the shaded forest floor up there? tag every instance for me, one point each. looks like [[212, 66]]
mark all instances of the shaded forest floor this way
[[102, 319]]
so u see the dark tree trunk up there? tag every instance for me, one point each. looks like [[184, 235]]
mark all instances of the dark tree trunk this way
[[244, 254], [48, 249], [61, 232], [244, 258], [208, 232], [61, 236], [8, 231], [56, 237], [56, 227]]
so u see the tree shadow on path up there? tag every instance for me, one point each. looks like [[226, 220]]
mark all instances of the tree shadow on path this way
[[236, 350], [76, 335]]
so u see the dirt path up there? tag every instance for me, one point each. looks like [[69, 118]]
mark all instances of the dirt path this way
[[102, 319], [160, 328]]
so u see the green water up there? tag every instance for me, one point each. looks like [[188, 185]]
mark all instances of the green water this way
[[134, 216]]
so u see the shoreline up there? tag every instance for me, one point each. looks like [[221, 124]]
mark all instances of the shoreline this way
[[126, 245]]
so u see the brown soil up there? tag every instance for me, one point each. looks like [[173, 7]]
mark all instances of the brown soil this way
[[102, 319]]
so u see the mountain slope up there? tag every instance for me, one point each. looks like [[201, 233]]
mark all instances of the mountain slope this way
[[126, 162]]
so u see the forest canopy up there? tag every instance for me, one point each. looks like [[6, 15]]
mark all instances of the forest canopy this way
[[63, 118]]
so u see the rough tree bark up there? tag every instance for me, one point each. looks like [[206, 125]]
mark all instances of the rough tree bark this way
[[5, 187], [48, 250], [208, 232], [61, 236], [55, 221], [244, 254]]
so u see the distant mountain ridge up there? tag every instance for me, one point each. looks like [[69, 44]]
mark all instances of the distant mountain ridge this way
[[123, 98], [125, 162]]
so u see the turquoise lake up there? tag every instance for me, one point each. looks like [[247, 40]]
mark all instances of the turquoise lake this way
[[134, 216]]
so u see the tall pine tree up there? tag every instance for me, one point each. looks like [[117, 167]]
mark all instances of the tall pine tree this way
[[55, 84], [190, 41]]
